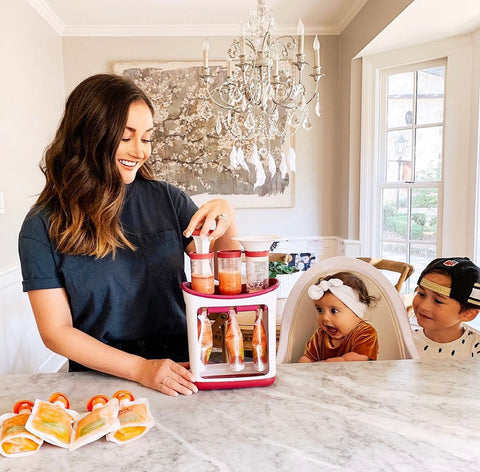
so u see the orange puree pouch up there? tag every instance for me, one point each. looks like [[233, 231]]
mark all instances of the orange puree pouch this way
[[135, 418], [234, 342], [259, 342], [101, 419], [53, 420], [15, 440], [205, 336]]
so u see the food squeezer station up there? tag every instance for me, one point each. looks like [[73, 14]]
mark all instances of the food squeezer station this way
[[235, 371], [222, 307]]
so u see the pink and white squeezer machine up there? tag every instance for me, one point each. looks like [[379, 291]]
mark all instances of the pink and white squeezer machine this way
[[220, 375]]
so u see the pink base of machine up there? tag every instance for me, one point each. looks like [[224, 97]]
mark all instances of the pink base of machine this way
[[219, 375]]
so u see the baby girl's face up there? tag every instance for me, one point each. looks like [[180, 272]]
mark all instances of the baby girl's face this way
[[334, 317]]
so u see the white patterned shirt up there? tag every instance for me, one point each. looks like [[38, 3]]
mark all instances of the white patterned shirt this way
[[466, 346]]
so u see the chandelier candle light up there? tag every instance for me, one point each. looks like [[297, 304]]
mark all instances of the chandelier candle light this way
[[260, 95]]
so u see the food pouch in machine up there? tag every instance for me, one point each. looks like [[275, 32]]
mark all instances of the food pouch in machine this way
[[15, 440], [259, 342], [135, 418], [53, 420], [101, 419], [234, 342], [205, 336]]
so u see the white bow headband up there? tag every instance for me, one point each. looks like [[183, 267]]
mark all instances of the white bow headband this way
[[343, 292]]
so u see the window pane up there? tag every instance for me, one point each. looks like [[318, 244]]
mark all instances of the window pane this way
[[394, 251], [399, 156], [400, 100], [420, 256], [395, 205], [428, 153], [423, 225], [430, 94]]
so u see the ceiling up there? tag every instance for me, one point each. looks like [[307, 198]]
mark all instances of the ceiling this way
[[422, 21], [190, 17], [427, 20]]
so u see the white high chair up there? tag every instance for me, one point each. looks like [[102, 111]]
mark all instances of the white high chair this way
[[388, 316]]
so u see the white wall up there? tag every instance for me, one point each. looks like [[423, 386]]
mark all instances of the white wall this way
[[32, 99], [316, 186], [31, 82]]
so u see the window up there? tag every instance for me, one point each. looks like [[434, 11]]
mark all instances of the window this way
[[410, 163]]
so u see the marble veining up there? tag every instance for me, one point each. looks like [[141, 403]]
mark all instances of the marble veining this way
[[387, 415]]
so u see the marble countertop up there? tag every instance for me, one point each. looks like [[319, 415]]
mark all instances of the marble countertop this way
[[386, 415]]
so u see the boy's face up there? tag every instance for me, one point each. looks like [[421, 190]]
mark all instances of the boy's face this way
[[334, 317], [435, 311]]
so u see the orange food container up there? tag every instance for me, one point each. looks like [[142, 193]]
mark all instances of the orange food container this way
[[202, 272], [229, 272]]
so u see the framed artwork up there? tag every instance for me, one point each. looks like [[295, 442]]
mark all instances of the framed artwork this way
[[190, 151]]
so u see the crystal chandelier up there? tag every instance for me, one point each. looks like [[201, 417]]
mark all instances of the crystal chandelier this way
[[260, 95]]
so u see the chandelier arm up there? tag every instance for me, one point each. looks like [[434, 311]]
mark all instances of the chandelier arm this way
[[286, 46], [224, 105]]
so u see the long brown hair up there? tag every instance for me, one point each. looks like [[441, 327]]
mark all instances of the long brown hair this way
[[84, 191]]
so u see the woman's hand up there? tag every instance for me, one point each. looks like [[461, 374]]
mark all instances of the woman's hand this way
[[167, 376], [218, 211]]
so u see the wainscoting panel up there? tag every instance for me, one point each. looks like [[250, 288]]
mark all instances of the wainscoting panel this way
[[21, 348]]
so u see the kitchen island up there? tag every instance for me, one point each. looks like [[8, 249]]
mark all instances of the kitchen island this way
[[387, 415]]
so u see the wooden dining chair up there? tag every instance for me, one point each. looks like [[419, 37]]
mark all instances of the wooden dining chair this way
[[279, 257], [404, 269]]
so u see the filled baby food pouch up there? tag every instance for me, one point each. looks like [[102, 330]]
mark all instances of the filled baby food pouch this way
[[101, 419], [134, 416], [15, 440], [53, 420], [259, 342], [205, 336], [234, 342]]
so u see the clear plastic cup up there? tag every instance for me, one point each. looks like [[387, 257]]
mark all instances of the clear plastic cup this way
[[229, 272], [202, 272], [257, 270]]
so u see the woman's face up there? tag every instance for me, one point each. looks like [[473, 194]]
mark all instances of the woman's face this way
[[136, 146]]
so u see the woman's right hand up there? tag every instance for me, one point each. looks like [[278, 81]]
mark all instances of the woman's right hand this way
[[167, 376]]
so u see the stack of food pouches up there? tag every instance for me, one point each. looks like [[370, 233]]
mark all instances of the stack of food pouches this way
[[121, 419], [15, 440]]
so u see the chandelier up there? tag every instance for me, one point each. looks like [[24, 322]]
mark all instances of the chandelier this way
[[260, 96]]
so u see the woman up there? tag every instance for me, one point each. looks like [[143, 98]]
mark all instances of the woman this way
[[102, 250]]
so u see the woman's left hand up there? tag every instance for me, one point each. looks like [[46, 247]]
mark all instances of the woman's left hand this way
[[218, 211]]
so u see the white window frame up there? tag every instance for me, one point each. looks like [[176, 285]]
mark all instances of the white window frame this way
[[382, 130], [457, 229]]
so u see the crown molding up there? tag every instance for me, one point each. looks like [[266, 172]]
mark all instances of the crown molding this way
[[180, 30], [347, 17], [48, 15], [44, 10]]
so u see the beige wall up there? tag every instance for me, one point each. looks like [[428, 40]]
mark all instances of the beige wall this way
[[45, 65], [31, 82], [314, 210]]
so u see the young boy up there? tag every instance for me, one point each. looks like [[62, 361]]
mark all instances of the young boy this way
[[448, 294]]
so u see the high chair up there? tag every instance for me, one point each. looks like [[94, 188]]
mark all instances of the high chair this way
[[388, 316]]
